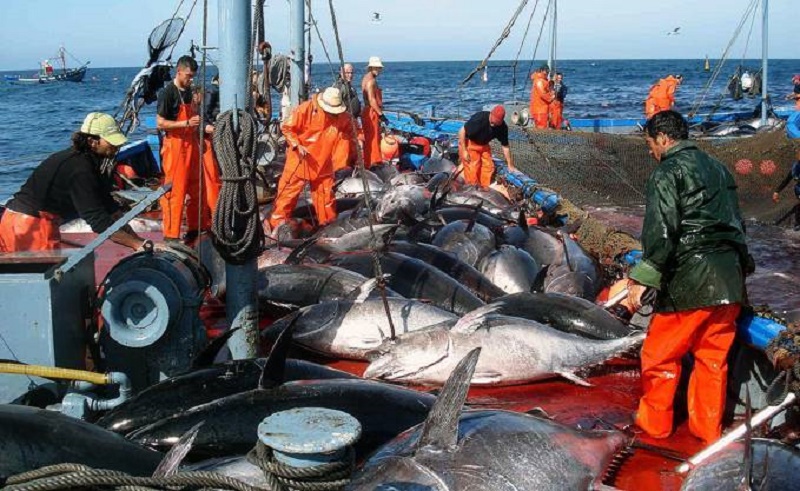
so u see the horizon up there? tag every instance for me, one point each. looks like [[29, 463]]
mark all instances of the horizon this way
[[325, 63], [114, 34]]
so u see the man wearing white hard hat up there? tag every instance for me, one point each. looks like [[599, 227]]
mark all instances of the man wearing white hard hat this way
[[312, 133], [372, 115], [66, 185]]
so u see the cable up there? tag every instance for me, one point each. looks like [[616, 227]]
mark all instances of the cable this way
[[379, 277], [503, 36], [238, 234], [538, 40], [519, 51]]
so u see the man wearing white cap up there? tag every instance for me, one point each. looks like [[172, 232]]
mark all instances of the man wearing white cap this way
[[372, 116], [312, 133], [67, 185]]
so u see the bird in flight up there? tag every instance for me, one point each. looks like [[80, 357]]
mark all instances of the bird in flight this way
[[674, 32], [376, 17]]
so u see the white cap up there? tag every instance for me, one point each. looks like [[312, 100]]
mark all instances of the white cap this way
[[374, 62]]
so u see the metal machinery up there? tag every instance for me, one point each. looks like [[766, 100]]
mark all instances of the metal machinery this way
[[45, 316], [150, 304]]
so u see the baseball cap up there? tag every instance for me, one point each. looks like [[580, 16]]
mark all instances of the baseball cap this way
[[104, 126]]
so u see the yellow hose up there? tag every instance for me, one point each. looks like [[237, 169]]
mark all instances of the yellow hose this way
[[53, 372]]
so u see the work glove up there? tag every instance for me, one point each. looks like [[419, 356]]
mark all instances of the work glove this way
[[384, 119]]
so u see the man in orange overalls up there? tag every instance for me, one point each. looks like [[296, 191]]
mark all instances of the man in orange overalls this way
[[662, 95], [67, 185], [372, 115], [473, 145], [557, 106], [541, 97], [180, 160], [696, 257], [312, 133]]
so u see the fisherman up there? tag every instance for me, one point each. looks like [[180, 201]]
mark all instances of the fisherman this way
[[794, 174], [662, 95], [695, 258], [795, 95], [66, 185], [177, 117], [557, 106], [473, 145], [312, 132], [372, 115], [541, 97], [346, 152]]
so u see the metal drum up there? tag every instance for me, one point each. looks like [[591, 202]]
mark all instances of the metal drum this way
[[150, 305]]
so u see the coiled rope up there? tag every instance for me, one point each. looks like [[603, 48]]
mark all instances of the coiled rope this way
[[238, 234], [281, 477], [76, 476]]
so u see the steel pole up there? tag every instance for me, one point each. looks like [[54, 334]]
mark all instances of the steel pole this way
[[234, 48], [297, 27], [764, 60]]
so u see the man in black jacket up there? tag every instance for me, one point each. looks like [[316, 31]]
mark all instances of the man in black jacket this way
[[67, 185]]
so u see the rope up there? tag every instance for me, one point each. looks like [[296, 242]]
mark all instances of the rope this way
[[238, 235], [321, 41], [718, 69], [202, 127], [538, 40], [379, 277], [323, 477], [503, 36], [71, 476], [519, 51]]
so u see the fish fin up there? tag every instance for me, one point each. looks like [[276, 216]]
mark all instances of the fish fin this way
[[274, 370], [539, 413], [441, 219], [207, 356], [362, 293], [575, 379], [440, 430], [473, 218], [389, 235], [299, 252], [173, 459], [472, 321], [522, 221], [747, 465]]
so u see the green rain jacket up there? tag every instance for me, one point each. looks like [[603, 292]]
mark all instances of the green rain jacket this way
[[693, 235]]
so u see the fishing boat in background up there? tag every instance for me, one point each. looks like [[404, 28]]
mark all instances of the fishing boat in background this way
[[49, 73]]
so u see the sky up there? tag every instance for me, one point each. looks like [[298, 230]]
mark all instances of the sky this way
[[113, 33]]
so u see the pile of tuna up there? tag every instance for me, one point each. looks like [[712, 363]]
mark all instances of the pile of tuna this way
[[444, 285]]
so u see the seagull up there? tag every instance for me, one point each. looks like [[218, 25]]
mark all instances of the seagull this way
[[376, 17], [674, 32]]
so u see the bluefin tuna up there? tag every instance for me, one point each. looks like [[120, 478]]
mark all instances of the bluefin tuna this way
[[468, 240], [488, 450], [514, 351], [351, 329], [32, 438], [513, 270], [775, 467]]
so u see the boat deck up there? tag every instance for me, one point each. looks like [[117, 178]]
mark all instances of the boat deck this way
[[611, 400]]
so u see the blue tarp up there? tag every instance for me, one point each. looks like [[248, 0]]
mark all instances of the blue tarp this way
[[793, 125]]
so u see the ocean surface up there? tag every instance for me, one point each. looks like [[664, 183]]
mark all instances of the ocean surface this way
[[38, 120]]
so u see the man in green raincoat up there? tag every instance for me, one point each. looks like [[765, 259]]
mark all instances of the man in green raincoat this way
[[694, 257]]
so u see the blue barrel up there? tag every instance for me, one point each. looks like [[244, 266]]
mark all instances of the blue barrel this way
[[757, 331]]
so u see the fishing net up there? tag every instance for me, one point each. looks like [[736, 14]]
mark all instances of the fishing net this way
[[607, 170], [164, 36]]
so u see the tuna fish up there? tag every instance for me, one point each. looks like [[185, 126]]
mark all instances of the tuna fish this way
[[451, 265], [33, 438], [468, 240], [404, 203], [775, 467], [350, 329], [302, 285], [511, 269], [514, 351], [178, 394], [354, 186], [577, 274], [565, 313], [231, 422], [488, 450], [413, 278]]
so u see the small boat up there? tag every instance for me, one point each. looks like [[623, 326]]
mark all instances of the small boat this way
[[48, 73], [11, 78]]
